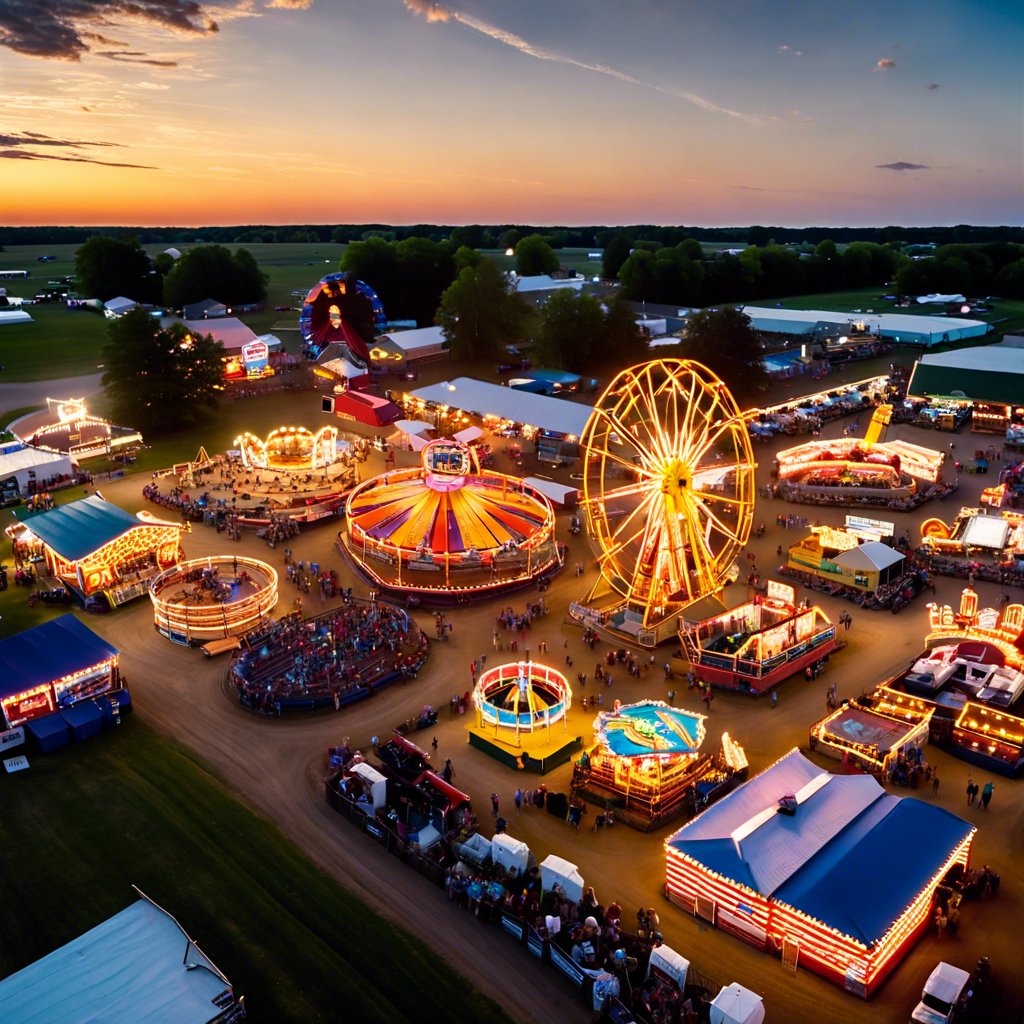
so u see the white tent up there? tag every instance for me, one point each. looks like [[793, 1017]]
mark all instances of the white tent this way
[[867, 557], [375, 783], [412, 426], [560, 494], [476, 848], [27, 464], [510, 853], [471, 433], [669, 965], [556, 871], [737, 1005], [14, 316]]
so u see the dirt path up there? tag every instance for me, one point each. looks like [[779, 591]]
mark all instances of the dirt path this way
[[277, 767], [35, 392]]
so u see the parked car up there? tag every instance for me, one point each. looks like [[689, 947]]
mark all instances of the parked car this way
[[942, 996]]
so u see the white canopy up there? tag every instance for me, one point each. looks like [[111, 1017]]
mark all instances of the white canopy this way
[[510, 853], [376, 784], [556, 871], [412, 426], [471, 433], [868, 557], [737, 1005], [14, 316], [561, 494]]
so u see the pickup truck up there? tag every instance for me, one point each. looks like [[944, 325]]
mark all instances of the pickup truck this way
[[943, 995]]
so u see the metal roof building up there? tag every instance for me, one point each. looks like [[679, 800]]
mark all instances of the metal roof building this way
[[991, 373]]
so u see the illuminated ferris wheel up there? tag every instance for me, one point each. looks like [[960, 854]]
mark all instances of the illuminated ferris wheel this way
[[668, 486]]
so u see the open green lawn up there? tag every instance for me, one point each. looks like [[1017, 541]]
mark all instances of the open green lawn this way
[[129, 807], [58, 343]]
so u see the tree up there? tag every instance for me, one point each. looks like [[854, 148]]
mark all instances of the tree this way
[[212, 272], [622, 340], [571, 323], [160, 379], [725, 341], [510, 238], [1010, 280], [535, 256], [106, 267], [479, 311]]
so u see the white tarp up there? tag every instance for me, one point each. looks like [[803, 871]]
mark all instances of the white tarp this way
[[737, 1005], [374, 782], [991, 532], [510, 853], [936, 297], [556, 871], [471, 433], [412, 426], [14, 316]]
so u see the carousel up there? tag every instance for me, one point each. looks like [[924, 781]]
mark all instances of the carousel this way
[[868, 470], [758, 644], [668, 495], [646, 762], [449, 530], [292, 472], [971, 676], [212, 599]]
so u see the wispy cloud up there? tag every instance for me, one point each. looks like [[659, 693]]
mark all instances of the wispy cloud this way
[[901, 165], [788, 50], [27, 146], [135, 57], [290, 5], [931, 86], [437, 12], [885, 64]]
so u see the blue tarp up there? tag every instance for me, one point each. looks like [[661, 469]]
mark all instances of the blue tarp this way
[[48, 652], [48, 733], [85, 720], [81, 527]]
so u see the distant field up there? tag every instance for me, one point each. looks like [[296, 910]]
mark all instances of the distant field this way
[[130, 807]]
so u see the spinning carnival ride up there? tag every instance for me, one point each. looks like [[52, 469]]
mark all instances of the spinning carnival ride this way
[[522, 696], [333, 307], [449, 528], [668, 488]]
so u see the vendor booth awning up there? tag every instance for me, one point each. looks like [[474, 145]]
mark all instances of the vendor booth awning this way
[[413, 426], [49, 651], [80, 527], [471, 433], [560, 494]]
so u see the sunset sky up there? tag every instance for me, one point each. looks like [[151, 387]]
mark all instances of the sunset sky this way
[[707, 112]]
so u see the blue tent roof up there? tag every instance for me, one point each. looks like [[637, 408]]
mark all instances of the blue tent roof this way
[[81, 527], [884, 848], [47, 652]]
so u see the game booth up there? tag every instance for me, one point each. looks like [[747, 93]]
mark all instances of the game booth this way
[[646, 763], [61, 682], [869, 733], [517, 704], [216, 598], [96, 549], [844, 558], [762, 864], [755, 646], [449, 530]]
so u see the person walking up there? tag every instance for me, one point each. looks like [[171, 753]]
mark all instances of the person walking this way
[[953, 921], [671, 698], [935, 783], [494, 804], [972, 791], [940, 922], [433, 744], [447, 772], [775, 699], [986, 794], [517, 799]]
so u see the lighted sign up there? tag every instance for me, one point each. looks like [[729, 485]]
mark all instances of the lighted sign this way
[[781, 592], [864, 525], [255, 354]]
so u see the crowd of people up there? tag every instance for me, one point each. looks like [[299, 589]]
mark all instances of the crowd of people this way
[[329, 657]]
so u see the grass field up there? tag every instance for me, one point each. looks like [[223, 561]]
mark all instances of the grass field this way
[[129, 807]]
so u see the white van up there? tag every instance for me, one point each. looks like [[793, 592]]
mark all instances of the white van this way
[[941, 994]]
